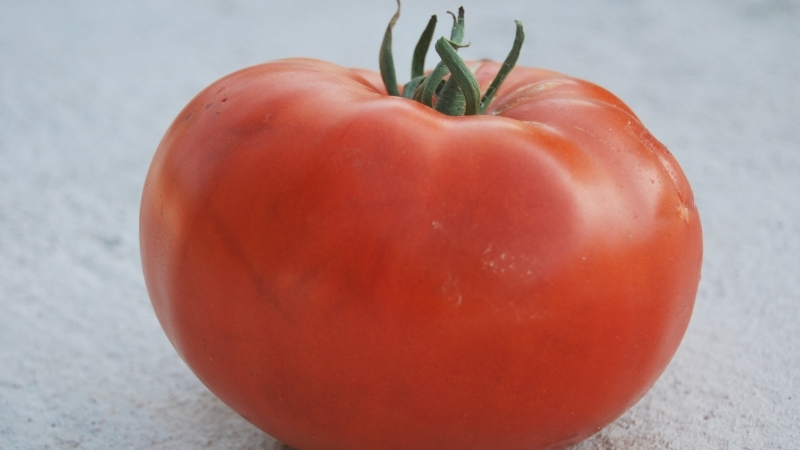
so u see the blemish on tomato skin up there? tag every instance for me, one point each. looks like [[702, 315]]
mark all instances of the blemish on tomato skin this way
[[209, 105], [667, 161], [683, 212]]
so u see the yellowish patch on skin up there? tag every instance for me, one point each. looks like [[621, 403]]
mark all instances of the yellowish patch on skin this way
[[683, 212]]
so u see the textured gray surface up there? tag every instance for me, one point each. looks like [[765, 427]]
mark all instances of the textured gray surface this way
[[87, 88]]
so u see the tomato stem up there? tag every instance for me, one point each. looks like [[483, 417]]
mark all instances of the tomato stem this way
[[459, 94], [457, 32], [433, 83], [451, 100]]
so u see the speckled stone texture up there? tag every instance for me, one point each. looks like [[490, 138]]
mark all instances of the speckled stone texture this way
[[87, 89]]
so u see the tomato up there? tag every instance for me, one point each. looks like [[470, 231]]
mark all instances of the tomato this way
[[351, 270]]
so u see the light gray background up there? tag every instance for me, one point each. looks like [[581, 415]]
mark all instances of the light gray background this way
[[87, 88]]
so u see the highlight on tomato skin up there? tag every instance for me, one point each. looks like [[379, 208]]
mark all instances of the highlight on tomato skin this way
[[349, 269]]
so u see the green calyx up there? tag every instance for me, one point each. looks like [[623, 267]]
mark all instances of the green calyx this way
[[459, 95]]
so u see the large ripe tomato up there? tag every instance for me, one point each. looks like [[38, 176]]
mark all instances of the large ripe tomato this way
[[350, 270]]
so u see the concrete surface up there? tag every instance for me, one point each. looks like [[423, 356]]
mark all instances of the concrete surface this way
[[87, 88]]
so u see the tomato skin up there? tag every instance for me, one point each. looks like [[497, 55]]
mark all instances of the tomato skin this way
[[349, 270]]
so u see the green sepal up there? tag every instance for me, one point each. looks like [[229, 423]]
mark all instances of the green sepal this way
[[411, 87], [505, 69], [421, 50], [386, 59]]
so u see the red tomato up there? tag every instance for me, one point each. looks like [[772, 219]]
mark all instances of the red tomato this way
[[349, 270]]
